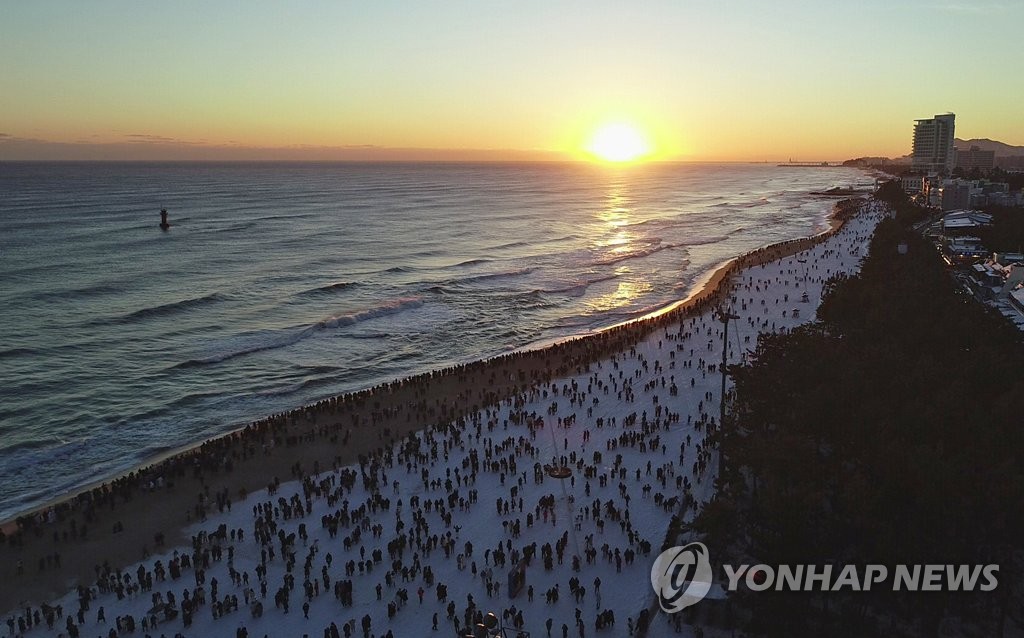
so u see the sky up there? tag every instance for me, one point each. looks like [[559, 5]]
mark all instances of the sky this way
[[429, 79]]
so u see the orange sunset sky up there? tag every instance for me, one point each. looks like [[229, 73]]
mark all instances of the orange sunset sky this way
[[737, 80]]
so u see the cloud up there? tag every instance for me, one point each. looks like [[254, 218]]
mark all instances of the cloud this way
[[13, 139], [144, 138]]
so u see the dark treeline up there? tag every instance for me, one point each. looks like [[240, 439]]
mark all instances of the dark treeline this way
[[887, 432]]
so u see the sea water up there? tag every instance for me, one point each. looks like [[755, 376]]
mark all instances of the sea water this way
[[279, 284]]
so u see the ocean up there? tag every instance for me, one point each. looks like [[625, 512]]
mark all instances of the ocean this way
[[279, 284]]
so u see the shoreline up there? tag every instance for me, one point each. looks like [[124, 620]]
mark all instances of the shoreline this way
[[711, 278], [333, 432], [704, 286]]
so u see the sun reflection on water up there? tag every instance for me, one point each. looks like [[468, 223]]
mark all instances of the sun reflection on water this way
[[612, 226], [613, 238], [630, 287]]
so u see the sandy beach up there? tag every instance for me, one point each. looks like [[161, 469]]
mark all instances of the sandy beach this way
[[49, 551]]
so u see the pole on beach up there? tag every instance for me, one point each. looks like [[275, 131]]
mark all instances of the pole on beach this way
[[724, 316]]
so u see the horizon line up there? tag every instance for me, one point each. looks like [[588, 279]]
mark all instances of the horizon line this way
[[144, 148], [778, 162]]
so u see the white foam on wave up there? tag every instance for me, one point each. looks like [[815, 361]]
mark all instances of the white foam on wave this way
[[292, 336]]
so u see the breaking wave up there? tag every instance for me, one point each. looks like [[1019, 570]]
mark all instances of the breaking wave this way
[[289, 337], [636, 254], [328, 288]]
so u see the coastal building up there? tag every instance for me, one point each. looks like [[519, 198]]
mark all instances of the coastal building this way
[[986, 193], [975, 158], [1006, 198], [953, 238], [994, 280], [1008, 259], [959, 194], [930, 190], [955, 194], [946, 194], [960, 220], [911, 184], [933, 149], [963, 250], [1016, 301]]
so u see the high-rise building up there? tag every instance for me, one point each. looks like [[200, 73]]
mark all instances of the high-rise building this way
[[933, 144], [975, 158]]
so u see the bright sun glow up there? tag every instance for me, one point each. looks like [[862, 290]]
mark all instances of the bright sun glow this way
[[618, 143]]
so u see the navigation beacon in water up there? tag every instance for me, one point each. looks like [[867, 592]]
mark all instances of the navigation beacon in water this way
[[164, 224]]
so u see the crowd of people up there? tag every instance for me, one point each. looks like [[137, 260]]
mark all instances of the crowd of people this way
[[584, 449]]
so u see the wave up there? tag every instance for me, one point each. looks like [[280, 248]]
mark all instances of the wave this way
[[293, 336], [532, 300], [328, 288], [233, 229], [369, 335], [267, 218], [470, 262], [514, 244], [24, 455], [293, 388], [494, 275], [10, 353], [636, 254], [388, 308], [707, 240], [172, 407], [574, 322], [320, 369], [24, 446], [95, 290], [578, 289], [171, 308], [747, 204]]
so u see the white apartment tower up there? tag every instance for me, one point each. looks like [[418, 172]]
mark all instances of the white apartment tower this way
[[933, 144]]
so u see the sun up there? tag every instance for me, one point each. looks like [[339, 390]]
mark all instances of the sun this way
[[618, 142]]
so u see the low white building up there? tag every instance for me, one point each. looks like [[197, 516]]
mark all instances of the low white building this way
[[965, 220]]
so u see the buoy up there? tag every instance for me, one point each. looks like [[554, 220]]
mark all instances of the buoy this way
[[164, 224]]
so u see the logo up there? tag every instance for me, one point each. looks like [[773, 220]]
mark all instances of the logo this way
[[681, 577]]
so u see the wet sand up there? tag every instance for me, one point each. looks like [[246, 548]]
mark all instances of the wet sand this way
[[321, 437]]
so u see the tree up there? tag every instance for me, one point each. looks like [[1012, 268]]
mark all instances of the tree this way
[[886, 432]]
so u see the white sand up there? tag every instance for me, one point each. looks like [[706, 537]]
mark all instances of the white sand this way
[[760, 288]]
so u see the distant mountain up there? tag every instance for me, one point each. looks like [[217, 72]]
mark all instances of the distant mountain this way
[[985, 144]]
